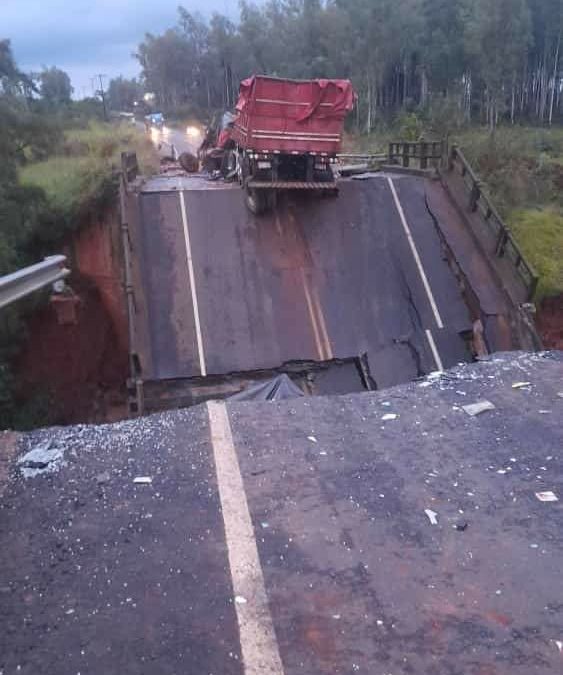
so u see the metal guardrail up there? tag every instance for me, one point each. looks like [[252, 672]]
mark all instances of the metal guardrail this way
[[478, 201], [422, 151], [362, 157], [29, 279]]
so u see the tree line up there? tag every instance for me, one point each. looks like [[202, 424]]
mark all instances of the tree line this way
[[490, 60]]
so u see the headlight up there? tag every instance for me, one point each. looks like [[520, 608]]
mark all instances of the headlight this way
[[192, 132]]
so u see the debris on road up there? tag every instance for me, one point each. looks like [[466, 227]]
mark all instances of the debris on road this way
[[389, 416], [312, 439], [478, 407], [521, 385], [103, 477], [142, 480], [240, 600], [547, 496], [43, 458], [432, 516]]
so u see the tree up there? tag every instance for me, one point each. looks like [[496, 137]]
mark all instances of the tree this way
[[500, 34], [123, 93], [55, 86]]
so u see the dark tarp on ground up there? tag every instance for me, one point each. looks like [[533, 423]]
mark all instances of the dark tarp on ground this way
[[276, 389]]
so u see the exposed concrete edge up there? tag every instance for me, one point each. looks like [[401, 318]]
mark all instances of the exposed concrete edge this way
[[9, 446], [134, 382], [502, 282], [522, 325], [432, 173]]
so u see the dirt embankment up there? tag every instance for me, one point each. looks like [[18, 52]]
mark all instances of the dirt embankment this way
[[75, 356], [550, 322]]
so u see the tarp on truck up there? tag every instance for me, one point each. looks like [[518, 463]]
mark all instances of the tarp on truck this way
[[297, 116]]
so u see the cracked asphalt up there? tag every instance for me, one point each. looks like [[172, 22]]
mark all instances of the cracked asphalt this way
[[314, 280], [99, 574]]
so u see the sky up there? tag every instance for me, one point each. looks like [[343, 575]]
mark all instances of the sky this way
[[87, 37]]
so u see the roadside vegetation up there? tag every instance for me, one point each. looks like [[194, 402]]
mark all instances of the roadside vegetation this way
[[58, 167], [522, 170]]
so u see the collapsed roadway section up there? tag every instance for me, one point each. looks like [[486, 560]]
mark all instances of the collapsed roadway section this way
[[364, 290]]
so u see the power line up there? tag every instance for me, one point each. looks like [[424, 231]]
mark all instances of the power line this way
[[102, 94]]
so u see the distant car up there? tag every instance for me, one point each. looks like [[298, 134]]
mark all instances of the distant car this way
[[154, 120], [127, 117]]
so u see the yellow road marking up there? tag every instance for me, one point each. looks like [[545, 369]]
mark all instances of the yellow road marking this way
[[312, 316]]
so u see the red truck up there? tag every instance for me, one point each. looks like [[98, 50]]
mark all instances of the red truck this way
[[286, 134]]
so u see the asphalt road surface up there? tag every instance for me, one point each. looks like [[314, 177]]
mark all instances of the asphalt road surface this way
[[221, 291], [381, 533]]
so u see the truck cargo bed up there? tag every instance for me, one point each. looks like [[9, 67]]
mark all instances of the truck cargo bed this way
[[292, 116]]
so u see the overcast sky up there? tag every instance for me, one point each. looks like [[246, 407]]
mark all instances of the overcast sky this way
[[85, 37]]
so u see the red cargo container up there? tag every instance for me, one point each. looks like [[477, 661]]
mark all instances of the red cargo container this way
[[292, 116]]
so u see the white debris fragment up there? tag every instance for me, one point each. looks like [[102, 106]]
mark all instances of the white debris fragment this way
[[379, 622], [501, 471], [240, 600], [520, 385], [478, 407], [312, 439], [264, 525], [323, 452], [142, 480], [386, 403], [69, 611], [547, 496], [432, 516], [544, 412], [43, 458], [559, 645], [389, 416], [336, 616]]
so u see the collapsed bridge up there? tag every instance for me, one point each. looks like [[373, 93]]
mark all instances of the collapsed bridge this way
[[385, 282]]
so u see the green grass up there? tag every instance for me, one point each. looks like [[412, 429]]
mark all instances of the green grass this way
[[540, 235], [81, 178], [522, 169], [73, 186]]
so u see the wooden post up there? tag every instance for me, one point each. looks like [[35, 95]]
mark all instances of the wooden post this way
[[406, 155], [501, 241], [452, 156], [423, 155], [474, 196], [532, 287]]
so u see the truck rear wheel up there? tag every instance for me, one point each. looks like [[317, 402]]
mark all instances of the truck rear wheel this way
[[257, 201]]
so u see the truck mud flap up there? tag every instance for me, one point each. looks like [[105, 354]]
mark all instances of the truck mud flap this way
[[286, 185]]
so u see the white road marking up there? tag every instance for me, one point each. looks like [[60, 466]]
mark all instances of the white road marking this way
[[416, 257], [199, 338], [259, 647], [434, 350]]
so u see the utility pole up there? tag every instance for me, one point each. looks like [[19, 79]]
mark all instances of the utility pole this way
[[100, 76]]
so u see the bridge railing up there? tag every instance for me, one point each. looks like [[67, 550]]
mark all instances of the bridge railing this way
[[129, 166], [425, 153], [479, 202]]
